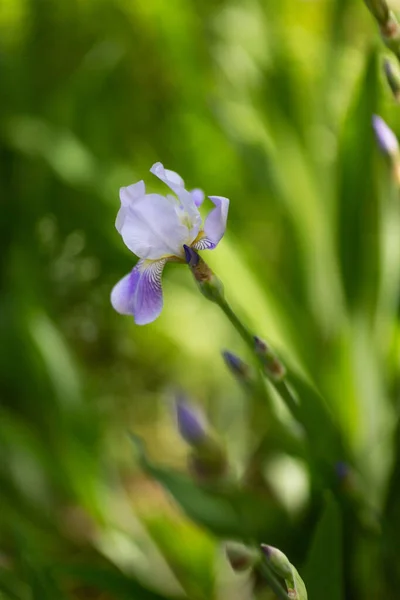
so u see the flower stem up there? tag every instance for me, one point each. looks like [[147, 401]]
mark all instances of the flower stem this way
[[280, 386]]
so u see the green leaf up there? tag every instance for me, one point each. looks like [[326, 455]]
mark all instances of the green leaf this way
[[358, 215], [324, 571], [110, 580], [227, 511]]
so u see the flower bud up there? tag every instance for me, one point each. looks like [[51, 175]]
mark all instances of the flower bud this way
[[390, 31], [207, 461], [209, 284], [191, 423], [392, 77], [240, 557], [385, 137], [237, 366], [278, 562], [274, 368], [379, 9]]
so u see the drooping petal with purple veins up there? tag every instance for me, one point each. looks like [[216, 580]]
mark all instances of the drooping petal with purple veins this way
[[214, 225], [140, 293], [203, 243], [176, 184], [151, 228], [197, 196]]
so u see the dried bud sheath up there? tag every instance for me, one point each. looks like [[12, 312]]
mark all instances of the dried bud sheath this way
[[209, 284]]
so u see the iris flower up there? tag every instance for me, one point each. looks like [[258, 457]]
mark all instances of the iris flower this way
[[156, 228]]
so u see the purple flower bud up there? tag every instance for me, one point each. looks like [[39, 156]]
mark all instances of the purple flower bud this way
[[191, 256], [385, 137], [272, 364], [277, 561], [393, 78], [236, 365], [191, 423]]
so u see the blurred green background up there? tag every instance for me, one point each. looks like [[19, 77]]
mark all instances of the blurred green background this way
[[268, 103]]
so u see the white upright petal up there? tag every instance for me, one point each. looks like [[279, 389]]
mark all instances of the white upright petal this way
[[152, 229], [176, 184], [215, 223], [131, 193], [128, 195], [170, 178]]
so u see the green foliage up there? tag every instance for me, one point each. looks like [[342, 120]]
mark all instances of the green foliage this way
[[270, 105]]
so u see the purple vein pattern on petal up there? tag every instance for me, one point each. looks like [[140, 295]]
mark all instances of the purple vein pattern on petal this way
[[176, 184], [151, 228], [140, 293], [215, 223]]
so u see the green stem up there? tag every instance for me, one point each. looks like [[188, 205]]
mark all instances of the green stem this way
[[236, 322], [273, 582], [280, 386]]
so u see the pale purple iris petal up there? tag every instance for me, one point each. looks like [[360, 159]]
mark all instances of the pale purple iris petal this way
[[176, 184], [151, 228], [385, 137], [128, 195], [197, 196], [131, 193], [140, 293], [215, 223]]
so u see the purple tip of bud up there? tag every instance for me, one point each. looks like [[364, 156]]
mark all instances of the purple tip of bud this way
[[385, 137], [235, 364], [191, 256], [387, 67], [260, 345], [191, 423], [266, 550]]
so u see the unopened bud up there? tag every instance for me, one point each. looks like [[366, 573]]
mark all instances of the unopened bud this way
[[278, 562], [272, 364], [392, 77], [390, 31], [240, 557], [209, 284], [237, 366], [379, 9], [389, 144], [191, 423], [207, 461], [385, 137]]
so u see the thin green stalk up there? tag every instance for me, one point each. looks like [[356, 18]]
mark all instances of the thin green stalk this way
[[280, 386]]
